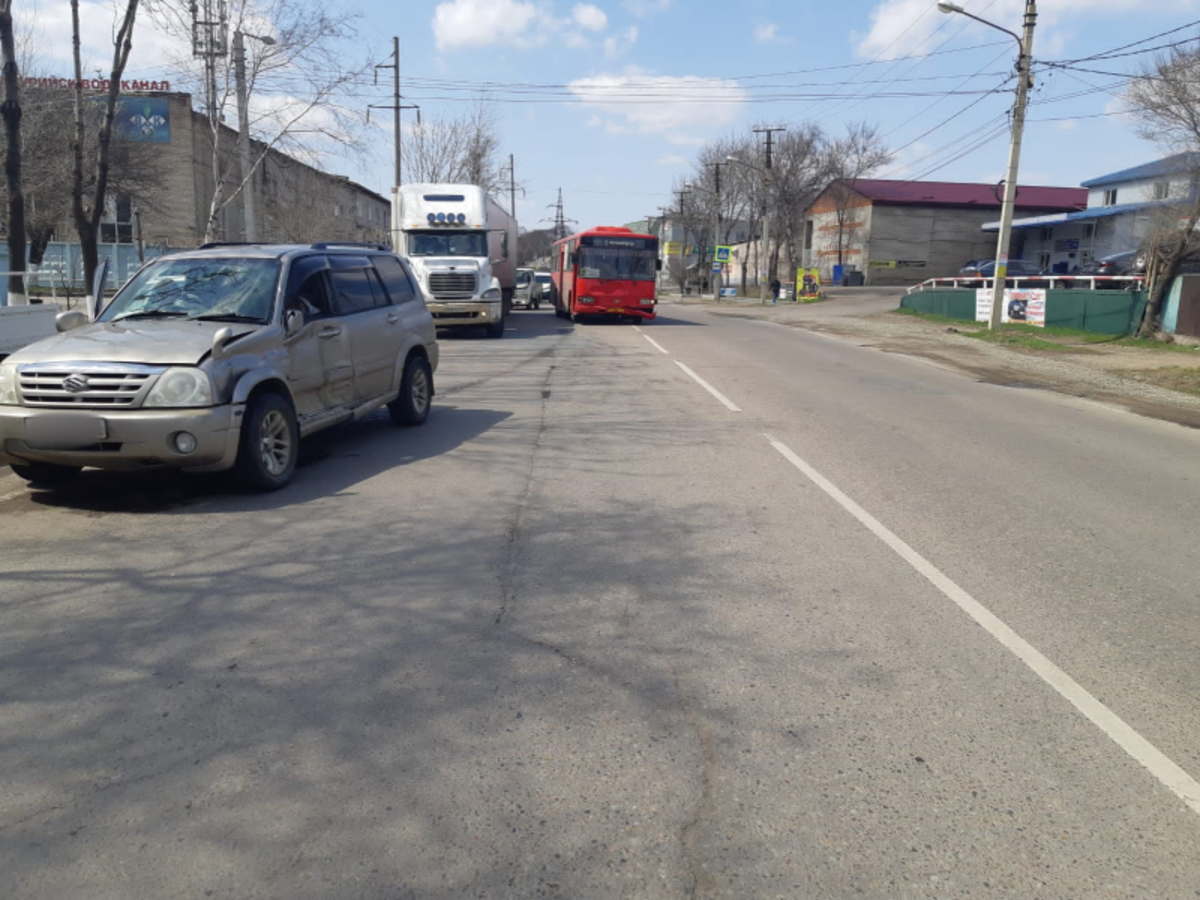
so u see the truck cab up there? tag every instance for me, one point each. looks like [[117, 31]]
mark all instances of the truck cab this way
[[461, 245]]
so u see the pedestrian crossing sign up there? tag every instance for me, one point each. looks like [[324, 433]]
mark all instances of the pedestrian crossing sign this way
[[723, 254]]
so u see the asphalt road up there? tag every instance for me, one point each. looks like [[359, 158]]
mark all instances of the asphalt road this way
[[705, 608]]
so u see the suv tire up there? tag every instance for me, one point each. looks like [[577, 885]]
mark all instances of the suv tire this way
[[44, 473], [416, 393], [269, 444]]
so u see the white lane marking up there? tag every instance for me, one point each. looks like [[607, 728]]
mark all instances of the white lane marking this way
[[638, 330], [12, 495], [708, 387], [1174, 778], [658, 346]]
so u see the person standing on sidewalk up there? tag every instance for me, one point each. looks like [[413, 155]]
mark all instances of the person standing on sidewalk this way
[[775, 286]]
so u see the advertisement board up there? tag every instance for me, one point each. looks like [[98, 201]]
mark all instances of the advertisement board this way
[[808, 284], [1026, 307]]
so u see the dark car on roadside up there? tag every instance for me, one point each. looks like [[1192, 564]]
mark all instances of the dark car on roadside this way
[[1128, 262], [1017, 268]]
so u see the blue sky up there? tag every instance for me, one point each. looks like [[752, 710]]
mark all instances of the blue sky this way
[[611, 99]]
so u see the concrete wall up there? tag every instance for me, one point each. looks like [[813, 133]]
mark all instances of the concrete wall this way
[[942, 238]]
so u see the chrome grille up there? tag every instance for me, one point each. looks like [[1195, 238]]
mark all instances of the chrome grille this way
[[452, 284], [92, 385]]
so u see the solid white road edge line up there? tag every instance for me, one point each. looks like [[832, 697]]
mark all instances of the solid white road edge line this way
[[660, 347], [708, 387], [1159, 765]]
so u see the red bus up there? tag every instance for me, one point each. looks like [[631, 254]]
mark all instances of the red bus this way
[[605, 272]]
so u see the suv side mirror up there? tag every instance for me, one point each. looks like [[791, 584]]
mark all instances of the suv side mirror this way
[[70, 319], [293, 321]]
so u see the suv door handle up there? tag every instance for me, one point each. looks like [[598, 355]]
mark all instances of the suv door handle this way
[[327, 333], [392, 318]]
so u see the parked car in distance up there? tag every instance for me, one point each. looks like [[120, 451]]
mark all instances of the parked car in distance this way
[[221, 358], [523, 294], [543, 288], [1017, 268], [1128, 262], [971, 267]]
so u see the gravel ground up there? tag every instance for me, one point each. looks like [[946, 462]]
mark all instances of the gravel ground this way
[[1095, 372]]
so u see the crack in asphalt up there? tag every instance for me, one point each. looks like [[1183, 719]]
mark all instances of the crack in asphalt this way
[[701, 883], [511, 562]]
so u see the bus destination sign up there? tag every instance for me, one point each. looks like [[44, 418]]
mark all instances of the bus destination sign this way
[[624, 243]]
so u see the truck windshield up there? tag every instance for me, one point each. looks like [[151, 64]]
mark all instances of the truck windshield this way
[[616, 263], [447, 243], [524, 278], [234, 289]]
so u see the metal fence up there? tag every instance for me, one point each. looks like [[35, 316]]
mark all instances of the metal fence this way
[[61, 270]]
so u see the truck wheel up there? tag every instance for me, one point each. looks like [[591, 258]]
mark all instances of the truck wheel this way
[[416, 393], [495, 329], [269, 444], [44, 473]]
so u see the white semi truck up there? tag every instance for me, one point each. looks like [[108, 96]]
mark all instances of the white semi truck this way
[[463, 247]]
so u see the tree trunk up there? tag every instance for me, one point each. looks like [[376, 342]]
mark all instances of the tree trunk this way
[[87, 220], [1168, 270], [10, 110]]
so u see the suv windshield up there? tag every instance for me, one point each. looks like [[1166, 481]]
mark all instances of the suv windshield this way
[[447, 243], [220, 289], [616, 263]]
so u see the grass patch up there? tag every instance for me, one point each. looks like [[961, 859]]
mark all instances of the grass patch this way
[[1175, 378], [1150, 344], [934, 317]]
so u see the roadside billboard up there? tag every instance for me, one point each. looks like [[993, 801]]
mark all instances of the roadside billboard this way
[[1027, 307]]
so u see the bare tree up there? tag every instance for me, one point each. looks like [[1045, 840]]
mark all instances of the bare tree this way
[[87, 215], [10, 111], [297, 85], [801, 169], [462, 149], [855, 155], [1165, 99]]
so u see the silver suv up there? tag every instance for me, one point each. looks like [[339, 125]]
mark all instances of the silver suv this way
[[222, 358]]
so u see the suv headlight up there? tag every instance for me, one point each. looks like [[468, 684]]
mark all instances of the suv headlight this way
[[181, 386], [8, 384], [491, 294]]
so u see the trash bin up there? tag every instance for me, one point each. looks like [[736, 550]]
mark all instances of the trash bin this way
[[838, 271], [854, 279]]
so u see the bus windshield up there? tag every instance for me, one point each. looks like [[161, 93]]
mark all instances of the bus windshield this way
[[616, 263], [447, 243]]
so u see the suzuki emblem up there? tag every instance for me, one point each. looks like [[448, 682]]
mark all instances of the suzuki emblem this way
[[76, 383]]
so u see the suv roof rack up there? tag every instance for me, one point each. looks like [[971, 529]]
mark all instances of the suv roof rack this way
[[213, 244], [361, 245]]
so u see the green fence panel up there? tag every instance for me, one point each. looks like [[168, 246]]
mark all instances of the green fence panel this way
[[954, 303], [1104, 312]]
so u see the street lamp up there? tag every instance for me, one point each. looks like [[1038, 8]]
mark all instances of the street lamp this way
[[249, 201], [1014, 151], [765, 243]]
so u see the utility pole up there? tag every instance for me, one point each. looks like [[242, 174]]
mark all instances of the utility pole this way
[[683, 249], [209, 30], [1014, 158], [715, 275], [765, 272], [395, 106], [1024, 82], [512, 187], [249, 210]]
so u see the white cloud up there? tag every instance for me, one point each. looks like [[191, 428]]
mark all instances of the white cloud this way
[[670, 106], [766, 33], [620, 43], [674, 160], [477, 23], [902, 27], [590, 17]]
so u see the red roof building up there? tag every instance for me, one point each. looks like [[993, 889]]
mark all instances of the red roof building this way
[[902, 232]]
